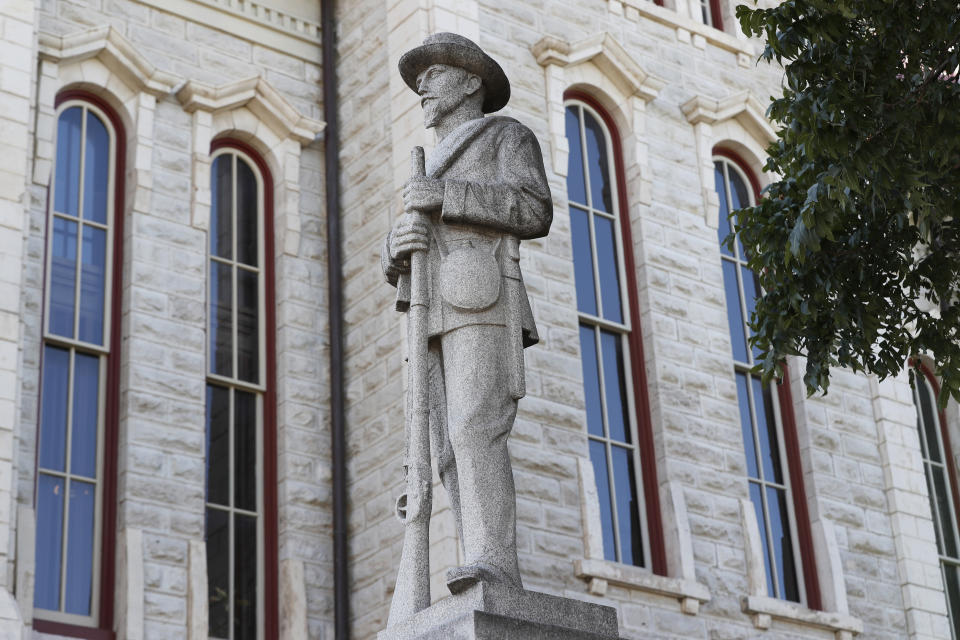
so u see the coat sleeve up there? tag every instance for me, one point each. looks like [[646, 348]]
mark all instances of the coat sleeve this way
[[391, 268], [518, 201]]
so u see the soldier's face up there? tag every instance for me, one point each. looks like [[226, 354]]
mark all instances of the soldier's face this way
[[442, 89]]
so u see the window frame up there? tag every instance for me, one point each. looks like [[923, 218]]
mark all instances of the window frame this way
[[788, 441], [265, 390], [714, 10], [98, 625], [644, 453], [950, 466]]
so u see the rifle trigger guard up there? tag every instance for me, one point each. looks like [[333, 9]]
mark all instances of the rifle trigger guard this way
[[401, 508]]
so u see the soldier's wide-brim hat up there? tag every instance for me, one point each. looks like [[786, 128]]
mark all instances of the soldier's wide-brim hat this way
[[457, 51]]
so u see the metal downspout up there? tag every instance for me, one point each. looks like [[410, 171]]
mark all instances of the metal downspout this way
[[341, 589]]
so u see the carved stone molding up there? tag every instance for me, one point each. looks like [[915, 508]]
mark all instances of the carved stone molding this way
[[115, 52], [253, 111], [599, 64], [743, 107], [738, 118], [260, 98], [609, 56]]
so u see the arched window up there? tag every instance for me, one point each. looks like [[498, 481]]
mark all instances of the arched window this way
[[240, 432], [766, 414], [76, 442], [942, 487], [618, 422]]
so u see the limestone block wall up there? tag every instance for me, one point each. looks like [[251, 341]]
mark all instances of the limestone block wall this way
[[672, 86], [162, 389], [17, 61], [374, 384], [850, 488]]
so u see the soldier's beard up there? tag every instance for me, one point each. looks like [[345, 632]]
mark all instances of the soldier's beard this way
[[436, 108]]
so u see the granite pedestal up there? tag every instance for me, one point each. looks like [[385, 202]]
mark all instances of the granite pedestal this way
[[489, 612]]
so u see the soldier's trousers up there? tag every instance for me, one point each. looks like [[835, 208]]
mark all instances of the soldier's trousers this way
[[471, 416]]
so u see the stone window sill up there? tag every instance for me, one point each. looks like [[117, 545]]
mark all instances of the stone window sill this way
[[764, 609], [602, 573]]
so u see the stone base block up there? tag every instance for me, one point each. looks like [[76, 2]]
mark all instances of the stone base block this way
[[489, 612]]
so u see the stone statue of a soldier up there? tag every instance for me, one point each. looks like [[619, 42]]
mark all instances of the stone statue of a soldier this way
[[484, 190]]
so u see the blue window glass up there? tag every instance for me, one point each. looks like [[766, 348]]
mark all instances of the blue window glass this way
[[604, 335], [746, 426], [735, 321], [951, 578], [576, 187], [221, 207], [217, 535], [79, 587], [93, 142], [937, 468], [68, 481], [96, 170], [234, 409], [628, 513], [69, 140], [86, 397], [218, 445], [749, 280], [221, 318], [608, 269], [927, 421], [601, 194], [248, 325], [53, 412], [723, 220], [63, 276], [50, 492], [767, 432], [72, 392], [583, 261], [615, 386], [756, 497], [782, 544], [598, 456], [941, 489], [769, 490], [93, 276], [247, 218], [245, 577], [591, 380], [245, 451]]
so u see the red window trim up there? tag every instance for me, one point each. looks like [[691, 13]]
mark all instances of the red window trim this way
[[271, 619], [790, 440], [944, 432], [108, 536], [715, 16], [648, 460]]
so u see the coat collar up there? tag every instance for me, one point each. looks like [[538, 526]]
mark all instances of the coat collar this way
[[449, 149]]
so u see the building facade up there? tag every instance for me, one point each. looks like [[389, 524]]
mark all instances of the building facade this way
[[165, 331]]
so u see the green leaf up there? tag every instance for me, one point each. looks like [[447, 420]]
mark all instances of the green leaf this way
[[857, 244]]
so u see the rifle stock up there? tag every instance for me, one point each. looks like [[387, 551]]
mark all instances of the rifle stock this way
[[412, 591]]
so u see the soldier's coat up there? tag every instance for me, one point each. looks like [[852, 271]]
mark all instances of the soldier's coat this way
[[495, 185]]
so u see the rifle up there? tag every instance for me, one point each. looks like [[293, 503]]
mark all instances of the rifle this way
[[412, 592]]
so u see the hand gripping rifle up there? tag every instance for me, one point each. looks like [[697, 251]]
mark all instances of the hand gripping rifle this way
[[412, 592]]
